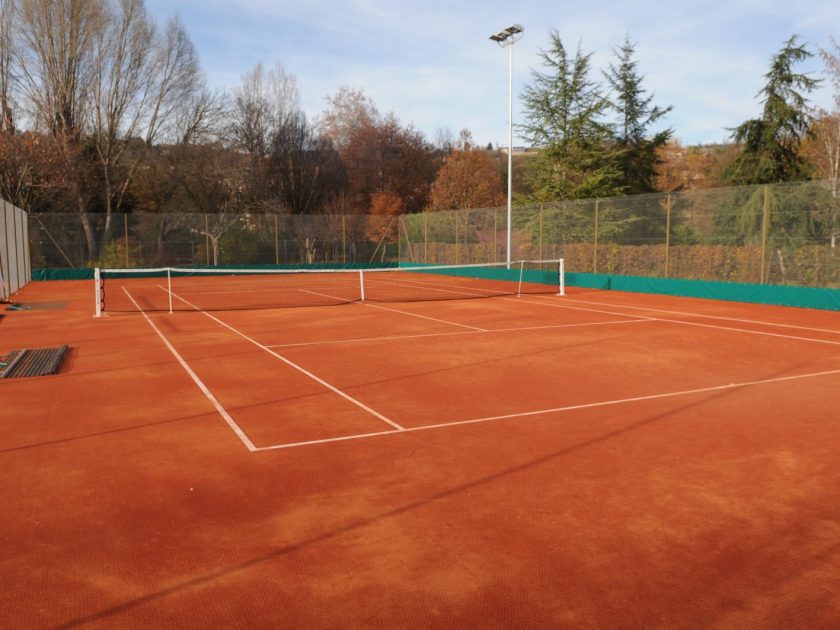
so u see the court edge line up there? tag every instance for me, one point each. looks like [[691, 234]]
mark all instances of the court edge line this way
[[524, 414], [393, 310], [204, 389], [730, 319], [715, 326], [297, 367], [457, 333]]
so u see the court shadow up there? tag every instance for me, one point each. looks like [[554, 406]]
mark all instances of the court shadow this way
[[286, 550]]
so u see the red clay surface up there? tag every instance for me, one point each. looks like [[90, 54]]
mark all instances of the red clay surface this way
[[591, 461]]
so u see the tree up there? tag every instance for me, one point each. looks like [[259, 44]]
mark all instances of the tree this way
[[265, 102], [691, 168], [771, 143], [637, 148], [564, 113], [305, 168], [389, 157], [103, 85], [7, 29], [468, 179], [825, 150], [141, 80], [347, 112]]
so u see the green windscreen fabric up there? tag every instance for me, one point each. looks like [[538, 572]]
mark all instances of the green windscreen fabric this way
[[803, 297]]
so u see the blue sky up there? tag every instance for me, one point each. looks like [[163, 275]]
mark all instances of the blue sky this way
[[432, 64]]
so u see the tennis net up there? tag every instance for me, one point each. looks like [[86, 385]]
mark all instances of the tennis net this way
[[173, 289]]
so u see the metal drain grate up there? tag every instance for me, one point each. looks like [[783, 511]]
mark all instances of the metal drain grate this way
[[40, 362]]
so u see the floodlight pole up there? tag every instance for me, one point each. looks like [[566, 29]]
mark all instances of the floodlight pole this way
[[507, 38]]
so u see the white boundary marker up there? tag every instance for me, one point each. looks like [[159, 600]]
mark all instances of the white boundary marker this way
[[525, 414], [458, 333], [393, 310], [730, 319], [297, 367], [216, 404], [400, 429], [685, 323]]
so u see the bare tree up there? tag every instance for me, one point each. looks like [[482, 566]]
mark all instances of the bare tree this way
[[265, 102], [55, 62], [306, 170], [7, 28], [97, 73], [141, 81]]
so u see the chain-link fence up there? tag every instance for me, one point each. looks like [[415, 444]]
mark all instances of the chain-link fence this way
[[782, 234]]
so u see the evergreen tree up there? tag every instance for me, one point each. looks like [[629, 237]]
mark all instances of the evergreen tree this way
[[637, 150], [771, 144], [564, 112]]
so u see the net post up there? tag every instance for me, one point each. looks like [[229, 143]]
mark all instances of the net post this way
[[362, 284], [561, 268], [97, 277], [521, 271], [169, 287]]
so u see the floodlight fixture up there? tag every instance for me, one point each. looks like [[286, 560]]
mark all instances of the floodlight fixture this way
[[507, 38], [509, 35]]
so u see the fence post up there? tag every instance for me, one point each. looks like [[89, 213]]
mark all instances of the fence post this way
[[207, 238], [595, 252], [765, 215], [541, 235], [667, 235], [425, 236], [456, 237], [343, 239], [125, 227], [495, 241], [276, 243]]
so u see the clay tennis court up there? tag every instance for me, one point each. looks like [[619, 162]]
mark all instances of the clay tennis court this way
[[599, 459]]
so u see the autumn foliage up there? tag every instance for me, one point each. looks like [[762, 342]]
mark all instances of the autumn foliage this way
[[468, 179]]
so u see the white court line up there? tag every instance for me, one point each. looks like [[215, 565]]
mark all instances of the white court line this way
[[393, 310], [222, 411], [714, 326], [294, 365], [525, 414], [458, 333], [520, 300], [731, 319], [465, 290]]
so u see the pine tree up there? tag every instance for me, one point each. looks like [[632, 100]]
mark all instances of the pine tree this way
[[771, 144], [637, 149], [564, 112]]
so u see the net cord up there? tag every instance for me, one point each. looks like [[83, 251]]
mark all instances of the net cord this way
[[245, 271]]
